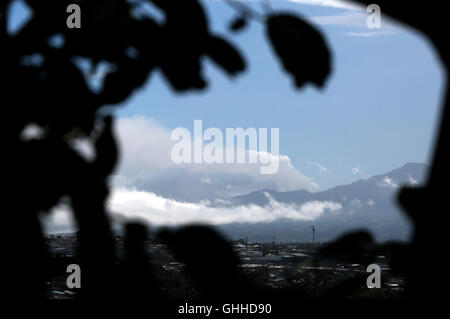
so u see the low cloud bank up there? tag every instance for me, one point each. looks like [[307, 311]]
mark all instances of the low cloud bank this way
[[133, 204]]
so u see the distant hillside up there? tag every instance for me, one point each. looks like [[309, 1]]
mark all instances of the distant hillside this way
[[368, 203]]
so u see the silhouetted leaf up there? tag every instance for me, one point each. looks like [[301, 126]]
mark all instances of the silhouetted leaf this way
[[225, 55], [118, 85], [237, 24], [397, 253], [350, 247], [182, 42], [217, 268], [183, 72], [106, 149], [185, 16], [300, 47]]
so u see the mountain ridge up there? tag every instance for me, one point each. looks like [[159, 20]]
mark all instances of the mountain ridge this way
[[391, 174], [367, 203]]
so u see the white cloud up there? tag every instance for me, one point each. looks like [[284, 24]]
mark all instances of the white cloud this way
[[58, 220], [356, 170], [147, 207], [412, 181], [368, 34], [32, 132], [387, 182], [356, 202], [319, 166], [370, 202], [350, 19], [157, 210], [357, 19], [205, 180], [330, 3], [146, 164]]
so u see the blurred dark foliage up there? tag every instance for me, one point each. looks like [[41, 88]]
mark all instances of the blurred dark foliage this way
[[300, 47], [53, 94], [238, 23]]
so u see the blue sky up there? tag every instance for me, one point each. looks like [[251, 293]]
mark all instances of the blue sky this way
[[377, 111]]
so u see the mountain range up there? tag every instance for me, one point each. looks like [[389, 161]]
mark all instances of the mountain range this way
[[366, 204]]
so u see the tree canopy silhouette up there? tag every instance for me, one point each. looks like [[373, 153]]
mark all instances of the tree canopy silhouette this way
[[42, 84]]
